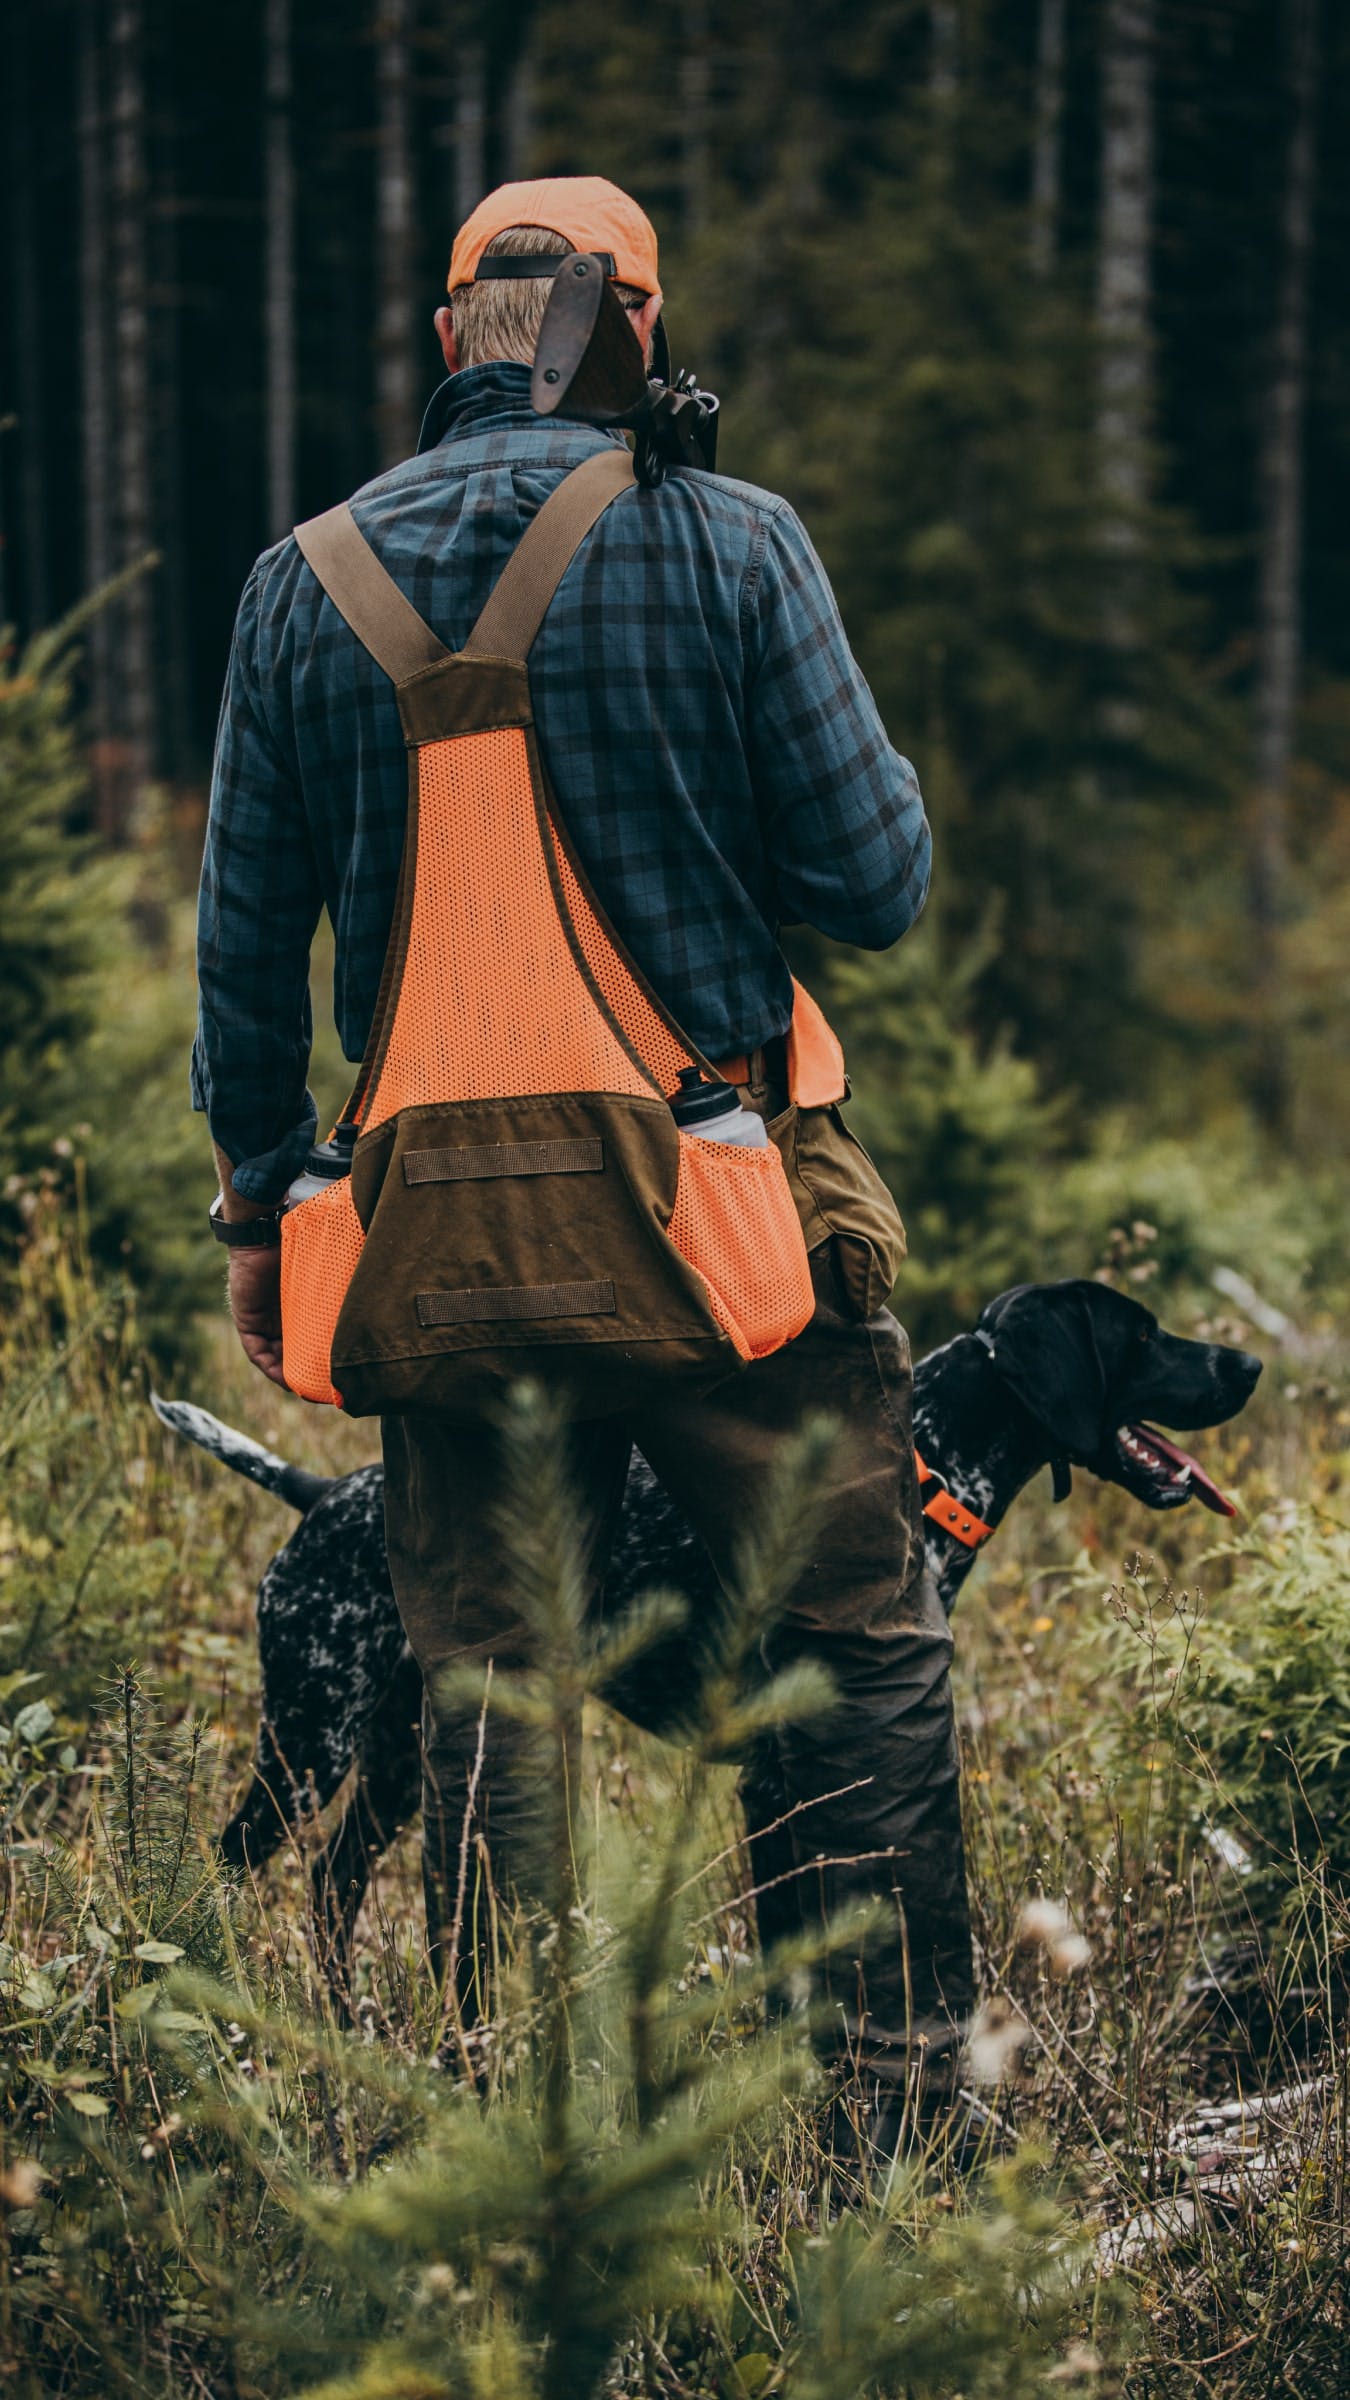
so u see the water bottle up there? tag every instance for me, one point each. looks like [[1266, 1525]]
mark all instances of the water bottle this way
[[713, 1112], [326, 1162]]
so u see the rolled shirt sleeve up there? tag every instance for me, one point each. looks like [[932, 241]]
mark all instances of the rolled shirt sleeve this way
[[258, 908], [843, 816]]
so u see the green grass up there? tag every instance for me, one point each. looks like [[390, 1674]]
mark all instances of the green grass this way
[[213, 2186]]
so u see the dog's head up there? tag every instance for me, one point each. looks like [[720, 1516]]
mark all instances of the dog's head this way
[[1089, 1364]]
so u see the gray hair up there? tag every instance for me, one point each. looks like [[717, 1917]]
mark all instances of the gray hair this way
[[502, 320]]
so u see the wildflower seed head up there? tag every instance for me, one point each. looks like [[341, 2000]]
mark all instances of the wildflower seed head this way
[[996, 2040]]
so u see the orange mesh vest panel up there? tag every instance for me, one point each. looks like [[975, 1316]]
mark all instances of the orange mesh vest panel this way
[[521, 1199]]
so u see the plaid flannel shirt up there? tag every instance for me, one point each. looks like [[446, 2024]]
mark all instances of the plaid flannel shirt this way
[[716, 754]]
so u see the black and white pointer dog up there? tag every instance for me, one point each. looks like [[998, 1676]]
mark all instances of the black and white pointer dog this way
[[1056, 1374]]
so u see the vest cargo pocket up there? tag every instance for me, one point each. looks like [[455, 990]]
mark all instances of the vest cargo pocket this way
[[736, 1223], [840, 1190], [522, 1236], [320, 1245]]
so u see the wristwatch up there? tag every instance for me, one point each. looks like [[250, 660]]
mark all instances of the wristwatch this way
[[245, 1233]]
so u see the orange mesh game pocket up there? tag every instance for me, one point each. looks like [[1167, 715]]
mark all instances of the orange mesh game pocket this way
[[736, 1223], [320, 1244]]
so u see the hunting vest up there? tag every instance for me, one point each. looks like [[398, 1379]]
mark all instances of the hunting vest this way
[[521, 1200]]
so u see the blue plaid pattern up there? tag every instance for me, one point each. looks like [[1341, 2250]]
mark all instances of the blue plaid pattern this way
[[716, 754]]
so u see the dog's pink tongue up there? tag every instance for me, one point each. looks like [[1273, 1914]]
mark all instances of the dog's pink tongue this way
[[1202, 1485]]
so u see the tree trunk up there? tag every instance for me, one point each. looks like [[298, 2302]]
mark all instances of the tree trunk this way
[[1123, 298], [470, 130], [695, 95], [1123, 282], [133, 623], [95, 411], [177, 578], [24, 154], [519, 109], [279, 273], [1049, 114], [1279, 631], [395, 369], [944, 53]]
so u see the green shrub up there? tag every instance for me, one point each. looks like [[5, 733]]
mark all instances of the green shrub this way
[[1226, 1711], [962, 1135], [1162, 1215], [105, 1550], [96, 1013], [1269, 1711], [1000, 1182], [58, 903]]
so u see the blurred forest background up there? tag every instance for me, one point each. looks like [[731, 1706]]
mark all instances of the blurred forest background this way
[[1037, 309]]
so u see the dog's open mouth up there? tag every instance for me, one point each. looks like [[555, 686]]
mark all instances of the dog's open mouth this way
[[1164, 1476]]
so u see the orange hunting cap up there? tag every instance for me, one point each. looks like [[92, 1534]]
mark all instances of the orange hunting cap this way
[[587, 211]]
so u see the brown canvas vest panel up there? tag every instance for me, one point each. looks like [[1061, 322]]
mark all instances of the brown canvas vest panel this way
[[521, 1200]]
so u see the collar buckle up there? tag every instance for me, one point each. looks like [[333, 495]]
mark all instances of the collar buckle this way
[[949, 1512]]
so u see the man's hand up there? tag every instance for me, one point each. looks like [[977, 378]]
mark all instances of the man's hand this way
[[255, 1305], [255, 1283]]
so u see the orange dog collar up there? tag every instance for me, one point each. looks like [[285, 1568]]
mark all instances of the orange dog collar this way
[[949, 1512]]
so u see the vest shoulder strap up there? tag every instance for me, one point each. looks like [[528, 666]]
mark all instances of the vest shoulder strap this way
[[398, 639], [366, 595], [519, 600]]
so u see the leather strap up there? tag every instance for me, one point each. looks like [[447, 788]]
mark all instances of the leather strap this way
[[366, 595], [520, 598], [398, 639], [950, 1513]]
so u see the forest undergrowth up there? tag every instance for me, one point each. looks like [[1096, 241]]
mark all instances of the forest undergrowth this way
[[215, 2182]]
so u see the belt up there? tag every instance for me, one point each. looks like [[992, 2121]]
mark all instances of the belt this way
[[757, 1087], [757, 1068]]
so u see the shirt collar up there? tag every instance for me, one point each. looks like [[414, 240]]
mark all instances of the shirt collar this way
[[493, 398]]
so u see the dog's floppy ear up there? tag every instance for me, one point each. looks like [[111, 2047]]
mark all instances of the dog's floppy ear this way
[[1042, 1343]]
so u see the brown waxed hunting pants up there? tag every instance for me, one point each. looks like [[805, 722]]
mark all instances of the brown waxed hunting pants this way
[[858, 1803]]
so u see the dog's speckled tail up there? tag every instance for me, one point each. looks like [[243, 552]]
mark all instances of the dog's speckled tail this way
[[296, 1485]]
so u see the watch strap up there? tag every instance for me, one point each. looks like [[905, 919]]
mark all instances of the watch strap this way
[[245, 1233]]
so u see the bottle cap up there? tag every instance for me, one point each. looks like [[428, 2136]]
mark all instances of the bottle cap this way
[[697, 1103], [333, 1158]]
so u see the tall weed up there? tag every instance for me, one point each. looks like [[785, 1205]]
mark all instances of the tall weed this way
[[213, 2185]]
